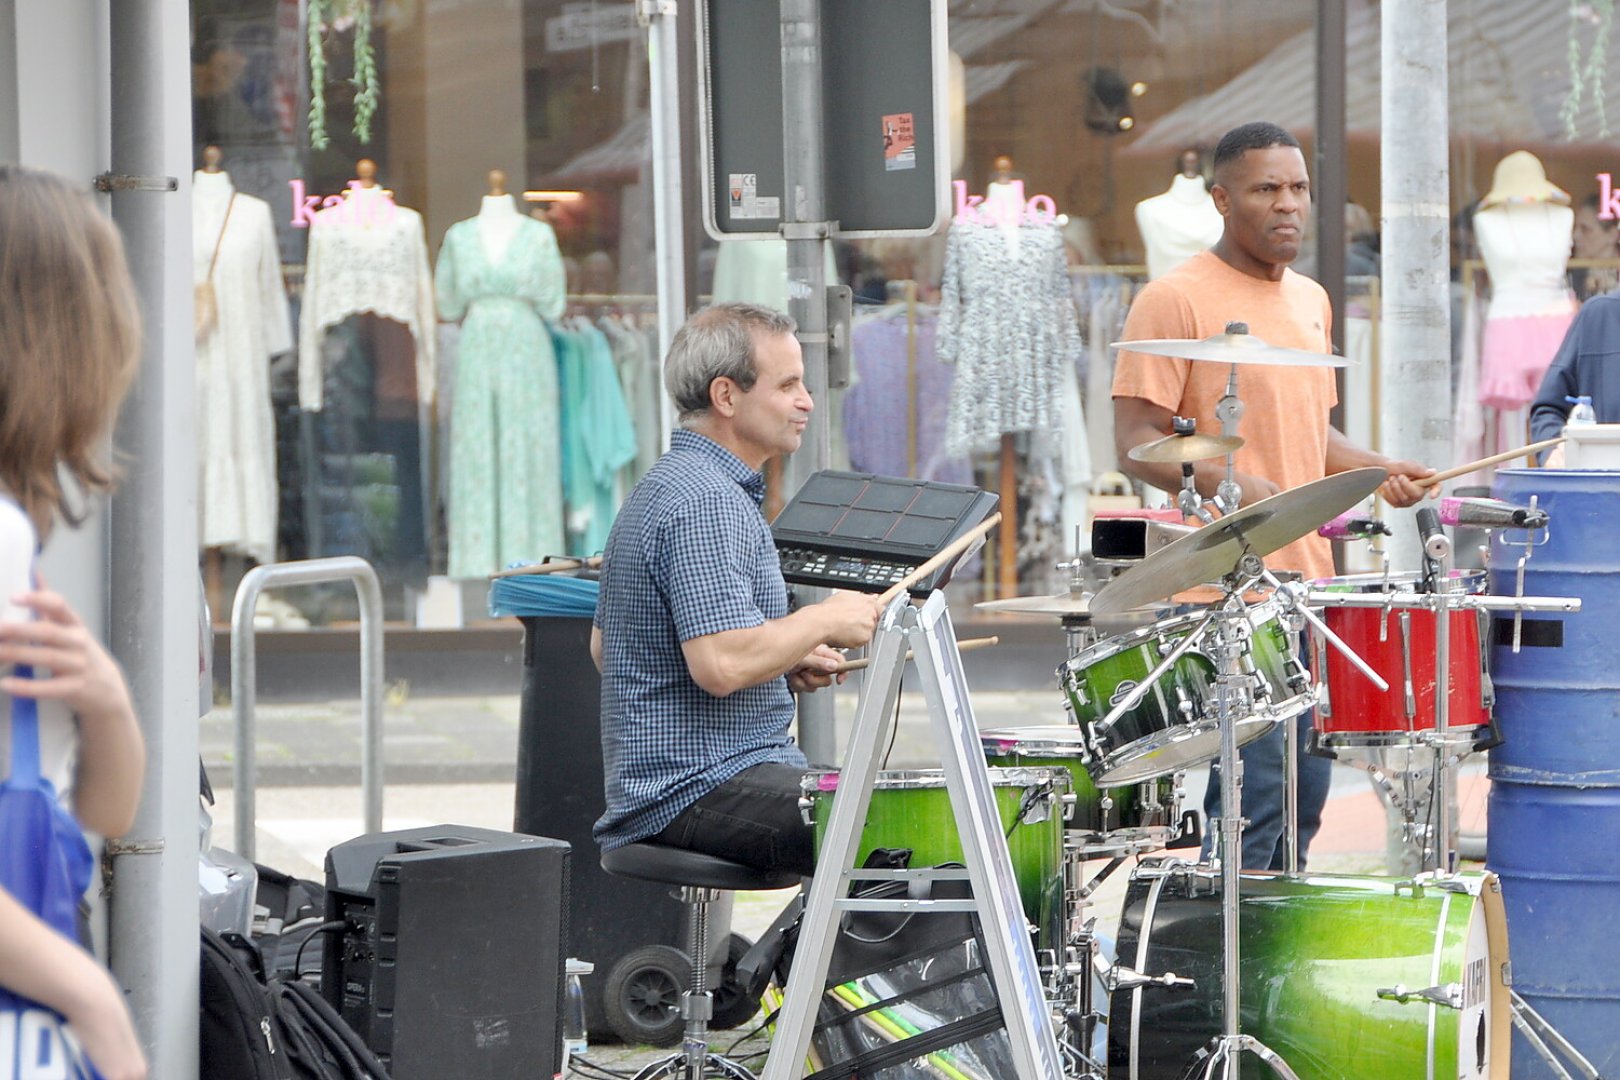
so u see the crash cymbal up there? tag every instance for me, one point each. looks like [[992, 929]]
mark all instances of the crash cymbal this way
[[1069, 603], [1179, 449], [1214, 550], [1234, 348]]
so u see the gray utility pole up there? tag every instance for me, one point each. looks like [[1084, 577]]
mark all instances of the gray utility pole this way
[[806, 230], [659, 16], [153, 588], [1416, 334]]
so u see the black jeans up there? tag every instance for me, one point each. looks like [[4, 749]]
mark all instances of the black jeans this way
[[753, 819]]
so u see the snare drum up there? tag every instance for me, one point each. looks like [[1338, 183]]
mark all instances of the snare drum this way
[[1326, 959], [1398, 643], [1173, 725], [912, 809], [1140, 817]]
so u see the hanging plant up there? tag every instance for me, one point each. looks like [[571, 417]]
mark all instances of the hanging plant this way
[[336, 16], [1586, 76]]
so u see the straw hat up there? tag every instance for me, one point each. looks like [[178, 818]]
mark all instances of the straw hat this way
[[1520, 178]]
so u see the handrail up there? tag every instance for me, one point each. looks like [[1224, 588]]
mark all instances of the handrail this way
[[244, 670]]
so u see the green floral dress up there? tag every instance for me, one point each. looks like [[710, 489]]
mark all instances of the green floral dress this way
[[505, 491]]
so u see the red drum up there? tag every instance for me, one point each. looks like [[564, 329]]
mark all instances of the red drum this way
[[1398, 643]]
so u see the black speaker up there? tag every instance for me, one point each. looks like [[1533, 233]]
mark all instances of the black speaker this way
[[451, 960], [559, 793]]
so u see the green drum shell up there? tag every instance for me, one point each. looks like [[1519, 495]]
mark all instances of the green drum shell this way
[[1315, 952], [1140, 743], [1089, 815], [912, 809]]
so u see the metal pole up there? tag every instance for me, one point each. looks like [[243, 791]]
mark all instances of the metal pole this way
[[152, 594], [244, 682], [1416, 326], [1332, 164], [669, 242], [10, 95], [806, 230]]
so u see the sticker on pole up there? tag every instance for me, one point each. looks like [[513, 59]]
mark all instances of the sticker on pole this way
[[899, 142], [745, 202]]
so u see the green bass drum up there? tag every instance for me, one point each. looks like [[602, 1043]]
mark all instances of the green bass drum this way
[[1347, 978]]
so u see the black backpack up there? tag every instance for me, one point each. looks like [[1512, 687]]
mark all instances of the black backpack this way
[[276, 1030]]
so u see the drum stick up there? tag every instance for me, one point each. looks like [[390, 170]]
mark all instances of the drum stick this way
[[949, 552], [1506, 455], [962, 646], [557, 566]]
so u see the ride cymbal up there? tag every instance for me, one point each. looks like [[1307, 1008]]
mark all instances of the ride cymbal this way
[[1215, 550], [1179, 449]]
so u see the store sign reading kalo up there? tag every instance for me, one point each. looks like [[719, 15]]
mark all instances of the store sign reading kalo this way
[[377, 209], [1012, 210]]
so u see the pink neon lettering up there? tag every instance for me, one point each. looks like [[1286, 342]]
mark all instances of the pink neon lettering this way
[[303, 205], [1608, 198], [1037, 210]]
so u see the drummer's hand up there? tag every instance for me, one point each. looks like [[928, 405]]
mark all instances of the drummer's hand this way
[[1399, 490], [816, 670]]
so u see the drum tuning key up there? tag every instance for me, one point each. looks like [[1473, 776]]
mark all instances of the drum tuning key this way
[[1119, 978], [1450, 995]]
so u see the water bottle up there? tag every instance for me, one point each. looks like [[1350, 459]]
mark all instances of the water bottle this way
[[1582, 412], [575, 1041]]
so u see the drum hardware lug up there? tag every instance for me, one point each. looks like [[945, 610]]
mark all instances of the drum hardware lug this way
[[1445, 883], [1449, 995], [807, 808], [1120, 977], [1507, 969], [1069, 801], [1413, 885]]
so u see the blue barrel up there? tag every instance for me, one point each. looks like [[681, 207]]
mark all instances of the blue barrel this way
[[1554, 811]]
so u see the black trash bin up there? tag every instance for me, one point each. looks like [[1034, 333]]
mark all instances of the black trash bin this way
[[559, 794]]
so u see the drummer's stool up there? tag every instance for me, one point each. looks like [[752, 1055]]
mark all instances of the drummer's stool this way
[[700, 878]]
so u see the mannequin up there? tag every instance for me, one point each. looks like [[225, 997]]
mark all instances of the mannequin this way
[[366, 364], [1523, 227], [1004, 199], [501, 276], [498, 219], [234, 252], [1179, 223]]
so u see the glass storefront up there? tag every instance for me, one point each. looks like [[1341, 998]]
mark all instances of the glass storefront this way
[[402, 350]]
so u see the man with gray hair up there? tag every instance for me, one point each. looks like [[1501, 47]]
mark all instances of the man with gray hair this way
[[698, 651]]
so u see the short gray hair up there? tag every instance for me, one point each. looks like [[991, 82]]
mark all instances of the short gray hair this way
[[717, 341]]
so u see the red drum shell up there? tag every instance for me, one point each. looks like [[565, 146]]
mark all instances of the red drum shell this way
[[1356, 707]]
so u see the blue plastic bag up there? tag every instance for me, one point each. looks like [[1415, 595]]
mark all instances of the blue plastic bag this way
[[45, 864]]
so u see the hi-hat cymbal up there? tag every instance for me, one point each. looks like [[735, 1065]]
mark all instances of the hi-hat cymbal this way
[[1179, 449], [1066, 604], [1214, 550], [1231, 349]]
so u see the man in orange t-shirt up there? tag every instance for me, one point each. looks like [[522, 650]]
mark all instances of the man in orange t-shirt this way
[[1263, 192]]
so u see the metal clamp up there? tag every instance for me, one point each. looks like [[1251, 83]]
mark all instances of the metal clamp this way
[[648, 10], [108, 181]]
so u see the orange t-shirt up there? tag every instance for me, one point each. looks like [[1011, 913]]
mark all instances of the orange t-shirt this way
[[1285, 409]]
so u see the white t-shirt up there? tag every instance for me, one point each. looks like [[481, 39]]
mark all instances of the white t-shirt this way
[[58, 731]]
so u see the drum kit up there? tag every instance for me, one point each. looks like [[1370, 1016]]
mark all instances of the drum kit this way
[[1340, 976]]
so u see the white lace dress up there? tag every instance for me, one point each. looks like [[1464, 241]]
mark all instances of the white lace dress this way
[[368, 255], [236, 449]]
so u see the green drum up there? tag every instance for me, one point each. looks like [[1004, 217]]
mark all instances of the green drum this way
[[1173, 724], [1345, 977], [912, 809], [1132, 817]]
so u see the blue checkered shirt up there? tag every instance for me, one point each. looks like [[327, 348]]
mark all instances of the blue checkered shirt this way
[[690, 554]]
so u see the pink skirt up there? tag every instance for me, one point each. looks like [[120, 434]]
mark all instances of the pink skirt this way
[[1514, 354]]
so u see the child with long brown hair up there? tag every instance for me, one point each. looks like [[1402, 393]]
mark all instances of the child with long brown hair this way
[[69, 343]]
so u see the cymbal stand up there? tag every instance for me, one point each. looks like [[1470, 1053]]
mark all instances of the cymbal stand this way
[[1234, 697], [1229, 411]]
